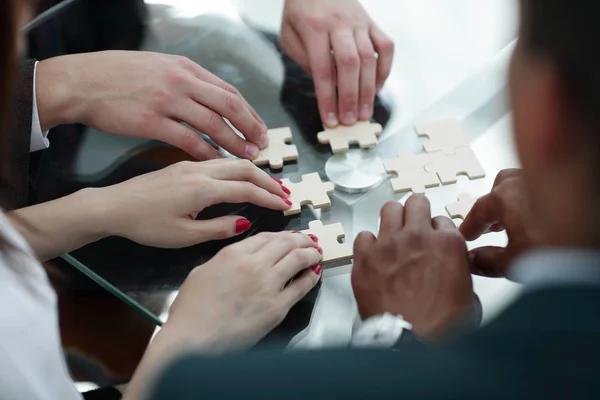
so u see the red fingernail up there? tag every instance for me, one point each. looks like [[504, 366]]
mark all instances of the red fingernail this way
[[286, 201], [276, 180], [242, 225], [320, 250], [285, 190], [296, 232], [317, 269], [313, 237]]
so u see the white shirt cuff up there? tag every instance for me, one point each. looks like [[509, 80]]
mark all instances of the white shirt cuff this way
[[381, 331], [39, 139]]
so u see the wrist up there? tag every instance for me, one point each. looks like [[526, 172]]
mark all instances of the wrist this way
[[99, 212], [57, 93]]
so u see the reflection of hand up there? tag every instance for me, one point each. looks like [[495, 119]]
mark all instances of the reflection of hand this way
[[159, 208], [147, 95], [506, 207], [311, 29], [417, 267]]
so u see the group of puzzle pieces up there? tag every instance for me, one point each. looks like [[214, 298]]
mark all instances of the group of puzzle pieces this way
[[447, 155]]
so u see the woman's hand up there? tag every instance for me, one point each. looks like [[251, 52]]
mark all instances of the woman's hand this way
[[311, 29], [233, 301], [159, 209]]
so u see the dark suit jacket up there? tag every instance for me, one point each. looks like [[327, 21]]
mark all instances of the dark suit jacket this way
[[546, 345]]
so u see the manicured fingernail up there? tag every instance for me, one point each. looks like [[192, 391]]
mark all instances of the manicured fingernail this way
[[285, 190], [242, 225], [317, 269], [364, 112], [251, 150], [296, 232], [320, 250], [332, 120], [313, 238], [349, 118], [286, 201], [264, 140]]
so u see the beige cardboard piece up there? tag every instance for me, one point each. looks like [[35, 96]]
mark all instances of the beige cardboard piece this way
[[411, 172], [363, 133], [445, 135], [461, 208], [278, 150], [328, 236], [311, 190], [447, 167]]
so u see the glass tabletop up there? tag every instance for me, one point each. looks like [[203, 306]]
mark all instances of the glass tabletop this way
[[217, 37]]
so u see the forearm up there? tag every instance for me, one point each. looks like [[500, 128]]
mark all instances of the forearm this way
[[62, 225]]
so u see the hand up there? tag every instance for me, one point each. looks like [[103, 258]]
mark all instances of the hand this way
[[417, 267], [160, 208], [310, 29], [148, 95], [506, 207]]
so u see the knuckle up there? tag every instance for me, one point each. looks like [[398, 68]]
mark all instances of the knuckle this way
[[349, 99], [416, 238], [316, 23], [214, 122], [185, 62], [323, 72], [387, 45], [146, 120], [162, 97], [367, 57], [176, 77], [349, 60], [233, 102]]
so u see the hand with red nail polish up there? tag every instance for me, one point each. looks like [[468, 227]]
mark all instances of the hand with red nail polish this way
[[159, 209], [234, 300]]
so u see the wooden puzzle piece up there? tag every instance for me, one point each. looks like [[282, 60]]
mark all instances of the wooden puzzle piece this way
[[311, 190], [279, 149], [461, 208], [328, 236], [411, 172], [363, 133], [447, 167], [445, 135]]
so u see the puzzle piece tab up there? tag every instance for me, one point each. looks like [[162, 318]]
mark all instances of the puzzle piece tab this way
[[278, 150], [447, 167], [445, 135], [311, 190], [363, 133], [461, 208], [411, 172], [328, 236]]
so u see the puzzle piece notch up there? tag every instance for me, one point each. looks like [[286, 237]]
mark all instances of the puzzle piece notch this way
[[445, 135], [363, 133], [279, 150], [448, 167], [411, 173], [310, 190], [328, 236], [461, 208]]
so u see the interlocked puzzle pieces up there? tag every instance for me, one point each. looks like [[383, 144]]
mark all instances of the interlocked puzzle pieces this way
[[461, 208], [363, 133], [278, 150], [411, 172], [462, 162], [445, 135], [328, 236], [311, 190]]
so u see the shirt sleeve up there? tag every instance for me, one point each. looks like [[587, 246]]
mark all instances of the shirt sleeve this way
[[39, 140]]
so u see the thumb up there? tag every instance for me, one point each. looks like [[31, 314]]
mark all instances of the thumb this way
[[489, 261], [218, 228]]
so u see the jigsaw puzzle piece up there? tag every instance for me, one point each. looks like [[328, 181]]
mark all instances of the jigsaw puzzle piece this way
[[311, 190], [445, 135], [447, 167], [363, 133], [411, 172], [279, 149], [328, 236], [461, 208]]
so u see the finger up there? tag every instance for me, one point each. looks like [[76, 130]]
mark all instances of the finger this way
[[489, 261], [507, 174], [244, 170], [295, 262], [363, 245], [392, 218], [442, 223], [384, 47], [176, 134], [324, 75], [347, 64], [290, 43], [295, 291], [417, 212], [486, 211], [231, 106], [244, 192], [212, 124], [368, 74], [214, 229], [497, 227], [282, 244]]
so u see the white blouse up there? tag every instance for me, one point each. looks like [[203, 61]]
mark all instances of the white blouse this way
[[32, 364]]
